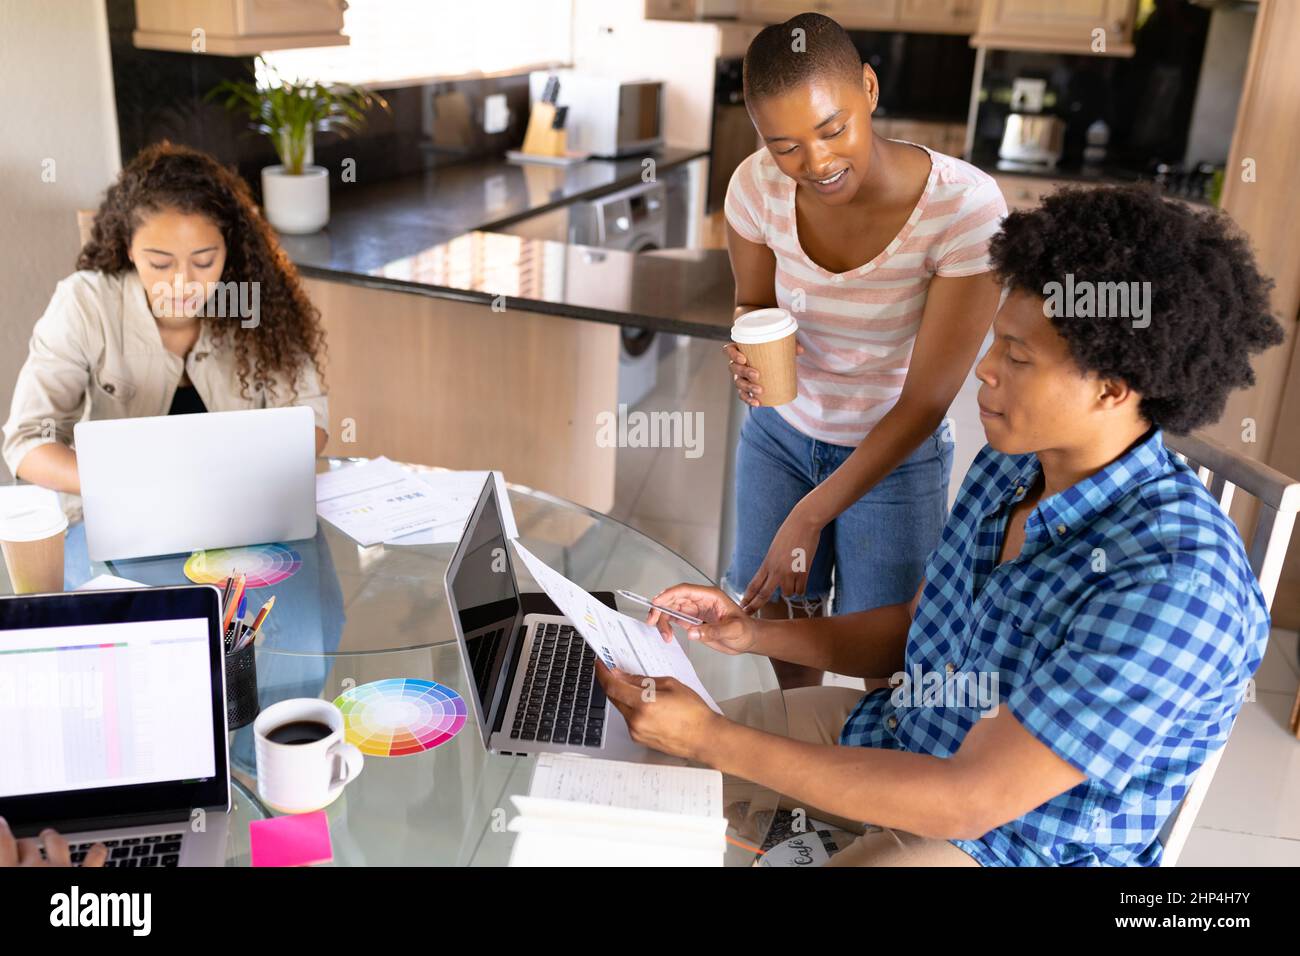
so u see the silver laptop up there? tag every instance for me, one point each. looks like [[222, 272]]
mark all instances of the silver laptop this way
[[181, 483], [113, 709], [532, 676]]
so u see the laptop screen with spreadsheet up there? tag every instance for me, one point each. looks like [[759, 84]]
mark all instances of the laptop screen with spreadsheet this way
[[105, 705], [110, 693]]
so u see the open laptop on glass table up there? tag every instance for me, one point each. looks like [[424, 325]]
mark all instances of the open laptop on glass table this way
[[113, 717], [532, 677]]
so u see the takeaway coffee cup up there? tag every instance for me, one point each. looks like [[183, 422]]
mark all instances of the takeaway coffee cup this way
[[32, 541], [303, 762], [766, 337]]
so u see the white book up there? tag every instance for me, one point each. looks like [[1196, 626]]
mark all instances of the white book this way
[[584, 811]]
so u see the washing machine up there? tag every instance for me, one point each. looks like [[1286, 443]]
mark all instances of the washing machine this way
[[633, 220]]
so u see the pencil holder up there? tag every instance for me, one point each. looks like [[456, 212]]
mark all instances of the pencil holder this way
[[241, 688]]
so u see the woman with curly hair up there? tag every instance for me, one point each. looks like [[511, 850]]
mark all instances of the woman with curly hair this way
[[183, 302]]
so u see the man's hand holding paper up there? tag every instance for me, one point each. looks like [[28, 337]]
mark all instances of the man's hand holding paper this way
[[621, 642]]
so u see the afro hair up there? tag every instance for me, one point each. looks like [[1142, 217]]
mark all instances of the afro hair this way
[[1208, 304]]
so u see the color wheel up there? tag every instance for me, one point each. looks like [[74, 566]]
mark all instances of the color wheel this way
[[265, 565], [399, 716]]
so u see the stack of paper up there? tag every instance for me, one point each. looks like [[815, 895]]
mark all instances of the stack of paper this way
[[457, 493], [379, 501], [581, 811]]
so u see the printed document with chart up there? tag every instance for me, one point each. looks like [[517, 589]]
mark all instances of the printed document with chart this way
[[624, 642]]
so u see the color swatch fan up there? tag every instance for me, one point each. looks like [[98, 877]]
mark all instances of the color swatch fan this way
[[399, 716], [265, 564]]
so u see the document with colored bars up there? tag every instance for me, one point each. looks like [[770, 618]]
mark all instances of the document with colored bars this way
[[624, 642]]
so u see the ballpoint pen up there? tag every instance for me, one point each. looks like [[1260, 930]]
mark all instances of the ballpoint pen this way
[[678, 615]]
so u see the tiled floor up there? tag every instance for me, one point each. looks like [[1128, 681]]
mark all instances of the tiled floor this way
[[1252, 814]]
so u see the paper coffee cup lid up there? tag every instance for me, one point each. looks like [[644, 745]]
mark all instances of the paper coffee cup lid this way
[[32, 524], [763, 325]]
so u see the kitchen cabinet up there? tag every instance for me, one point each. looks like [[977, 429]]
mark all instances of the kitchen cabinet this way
[[237, 27], [938, 16], [1063, 26], [858, 14], [691, 9], [772, 11], [674, 9], [1024, 192], [421, 380], [915, 16], [947, 138]]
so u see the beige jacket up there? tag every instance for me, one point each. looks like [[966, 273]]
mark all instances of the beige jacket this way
[[98, 344]]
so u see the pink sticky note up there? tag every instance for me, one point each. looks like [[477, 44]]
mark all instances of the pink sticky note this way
[[293, 840]]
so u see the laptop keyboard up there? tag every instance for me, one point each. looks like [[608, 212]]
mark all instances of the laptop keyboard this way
[[560, 701], [157, 851]]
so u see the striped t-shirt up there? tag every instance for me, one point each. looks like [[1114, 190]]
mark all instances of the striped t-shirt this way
[[858, 327]]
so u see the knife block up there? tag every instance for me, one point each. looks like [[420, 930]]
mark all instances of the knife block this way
[[542, 139]]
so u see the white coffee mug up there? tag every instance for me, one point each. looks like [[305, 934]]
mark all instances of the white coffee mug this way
[[301, 777]]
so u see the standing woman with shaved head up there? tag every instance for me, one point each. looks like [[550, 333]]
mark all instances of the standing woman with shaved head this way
[[879, 248]]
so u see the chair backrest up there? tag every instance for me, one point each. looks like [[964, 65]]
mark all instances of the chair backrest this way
[[1223, 471]]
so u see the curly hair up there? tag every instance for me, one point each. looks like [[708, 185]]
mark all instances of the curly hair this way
[[1209, 304], [165, 176], [773, 65]]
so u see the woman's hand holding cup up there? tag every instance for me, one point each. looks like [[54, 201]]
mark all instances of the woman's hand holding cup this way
[[770, 335]]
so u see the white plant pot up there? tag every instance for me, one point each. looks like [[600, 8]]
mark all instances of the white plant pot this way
[[296, 204]]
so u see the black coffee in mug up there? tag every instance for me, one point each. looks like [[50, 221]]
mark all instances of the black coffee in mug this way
[[299, 732]]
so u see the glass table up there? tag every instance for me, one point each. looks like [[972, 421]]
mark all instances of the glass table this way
[[349, 615]]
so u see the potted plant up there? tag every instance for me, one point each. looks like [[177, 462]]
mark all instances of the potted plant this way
[[295, 193]]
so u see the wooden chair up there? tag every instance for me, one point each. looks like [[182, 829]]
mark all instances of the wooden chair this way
[[1223, 471]]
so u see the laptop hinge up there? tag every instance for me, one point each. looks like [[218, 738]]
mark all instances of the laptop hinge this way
[[511, 667], [117, 821]]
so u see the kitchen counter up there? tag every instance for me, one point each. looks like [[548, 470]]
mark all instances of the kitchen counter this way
[[374, 225], [683, 291], [1075, 173]]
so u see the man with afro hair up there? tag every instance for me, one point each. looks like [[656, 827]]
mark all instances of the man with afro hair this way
[[1084, 573]]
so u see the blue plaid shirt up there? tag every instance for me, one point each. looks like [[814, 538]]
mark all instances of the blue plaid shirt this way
[[1122, 637]]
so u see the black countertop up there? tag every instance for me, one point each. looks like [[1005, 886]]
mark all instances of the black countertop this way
[[684, 291], [372, 226], [432, 235]]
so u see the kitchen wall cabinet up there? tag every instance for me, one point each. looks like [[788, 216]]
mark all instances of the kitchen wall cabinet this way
[[938, 16], [691, 9], [770, 11], [913, 16], [673, 9], [858, 14], [1064, 26], [238, 27]]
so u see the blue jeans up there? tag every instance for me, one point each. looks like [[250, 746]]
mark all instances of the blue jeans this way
[[876, 549]]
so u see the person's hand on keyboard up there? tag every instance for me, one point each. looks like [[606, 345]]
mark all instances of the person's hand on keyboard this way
[[27, 852]]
